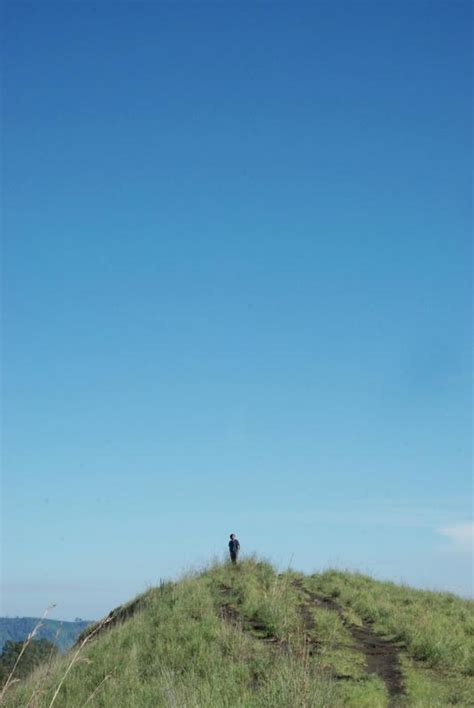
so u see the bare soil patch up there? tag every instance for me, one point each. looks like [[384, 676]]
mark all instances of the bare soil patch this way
[[381, 655], [251, 624]]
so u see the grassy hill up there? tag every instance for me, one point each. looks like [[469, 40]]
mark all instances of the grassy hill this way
[[62, 634], [246, 636]]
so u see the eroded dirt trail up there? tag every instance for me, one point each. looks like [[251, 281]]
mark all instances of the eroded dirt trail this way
[[256, 628], [381, 655]]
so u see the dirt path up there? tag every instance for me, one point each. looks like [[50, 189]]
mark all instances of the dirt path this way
[[381, 655], [256, 628]]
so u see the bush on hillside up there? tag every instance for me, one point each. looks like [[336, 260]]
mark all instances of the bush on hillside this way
[[37, 651]]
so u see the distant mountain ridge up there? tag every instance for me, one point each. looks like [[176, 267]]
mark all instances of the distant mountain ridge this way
[[62, 634]]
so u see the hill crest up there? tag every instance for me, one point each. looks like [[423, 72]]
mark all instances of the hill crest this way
[[248, 636]]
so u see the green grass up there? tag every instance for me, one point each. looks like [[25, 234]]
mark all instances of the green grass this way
[[436, 628], [434, 631], [239, 637]]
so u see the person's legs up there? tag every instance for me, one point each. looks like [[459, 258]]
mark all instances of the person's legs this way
[[233, 556]]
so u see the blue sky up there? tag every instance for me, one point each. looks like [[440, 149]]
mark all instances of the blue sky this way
[[237, 277]]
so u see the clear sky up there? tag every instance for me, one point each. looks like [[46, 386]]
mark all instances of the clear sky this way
[[237, 277]]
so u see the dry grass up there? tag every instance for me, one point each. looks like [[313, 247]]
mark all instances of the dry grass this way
[[10, 680]]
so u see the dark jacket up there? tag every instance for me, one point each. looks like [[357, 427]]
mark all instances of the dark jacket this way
[[234, 545]]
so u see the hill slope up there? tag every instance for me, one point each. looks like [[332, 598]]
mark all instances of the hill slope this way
[[246, 636], [62, 634]]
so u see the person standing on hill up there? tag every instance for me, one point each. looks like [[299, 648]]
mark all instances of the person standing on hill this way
[[234, 548]]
